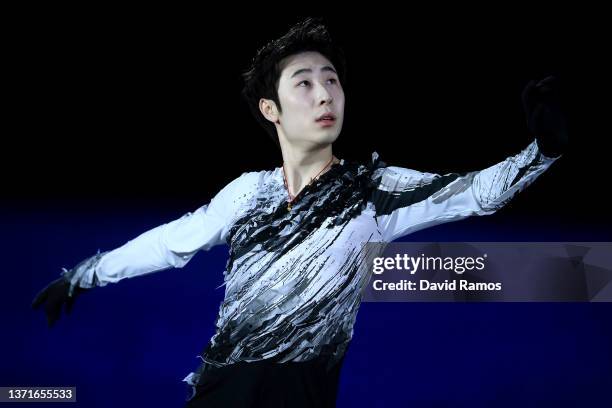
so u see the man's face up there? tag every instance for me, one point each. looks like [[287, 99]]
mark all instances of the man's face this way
[[309, 88]]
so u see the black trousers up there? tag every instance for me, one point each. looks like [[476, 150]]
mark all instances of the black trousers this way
[[266, 384]]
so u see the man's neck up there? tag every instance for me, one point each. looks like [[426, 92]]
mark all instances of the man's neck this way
[[301, 166]]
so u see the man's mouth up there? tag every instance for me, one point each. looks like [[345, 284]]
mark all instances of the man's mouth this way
[[327, 119]]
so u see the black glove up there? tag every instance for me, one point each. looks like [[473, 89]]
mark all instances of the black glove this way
[[54, 296], [546, 119]]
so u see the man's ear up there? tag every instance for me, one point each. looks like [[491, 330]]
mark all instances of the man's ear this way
[[269, 110]]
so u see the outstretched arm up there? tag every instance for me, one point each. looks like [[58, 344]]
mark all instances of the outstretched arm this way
[[166, 246], [407, 200]]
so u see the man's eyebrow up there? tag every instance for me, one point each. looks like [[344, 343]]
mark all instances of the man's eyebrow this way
[[304, 70]]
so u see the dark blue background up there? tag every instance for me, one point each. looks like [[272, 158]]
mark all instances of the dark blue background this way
[[132, 343]]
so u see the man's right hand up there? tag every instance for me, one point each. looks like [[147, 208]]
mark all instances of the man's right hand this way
[[54, 297]]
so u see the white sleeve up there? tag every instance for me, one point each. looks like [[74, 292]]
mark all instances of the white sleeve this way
[[407, 200], [166, 246]]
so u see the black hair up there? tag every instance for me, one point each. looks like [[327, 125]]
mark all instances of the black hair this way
[[262, 77]]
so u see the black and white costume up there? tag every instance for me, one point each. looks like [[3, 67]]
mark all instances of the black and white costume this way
[[294, 279]]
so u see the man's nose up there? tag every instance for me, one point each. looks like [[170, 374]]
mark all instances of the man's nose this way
[[323, 95]]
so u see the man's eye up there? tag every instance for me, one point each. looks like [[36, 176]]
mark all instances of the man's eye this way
[[303, 82], [333, 80]]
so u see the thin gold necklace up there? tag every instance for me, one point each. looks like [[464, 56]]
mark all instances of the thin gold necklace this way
[[291, 198]]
